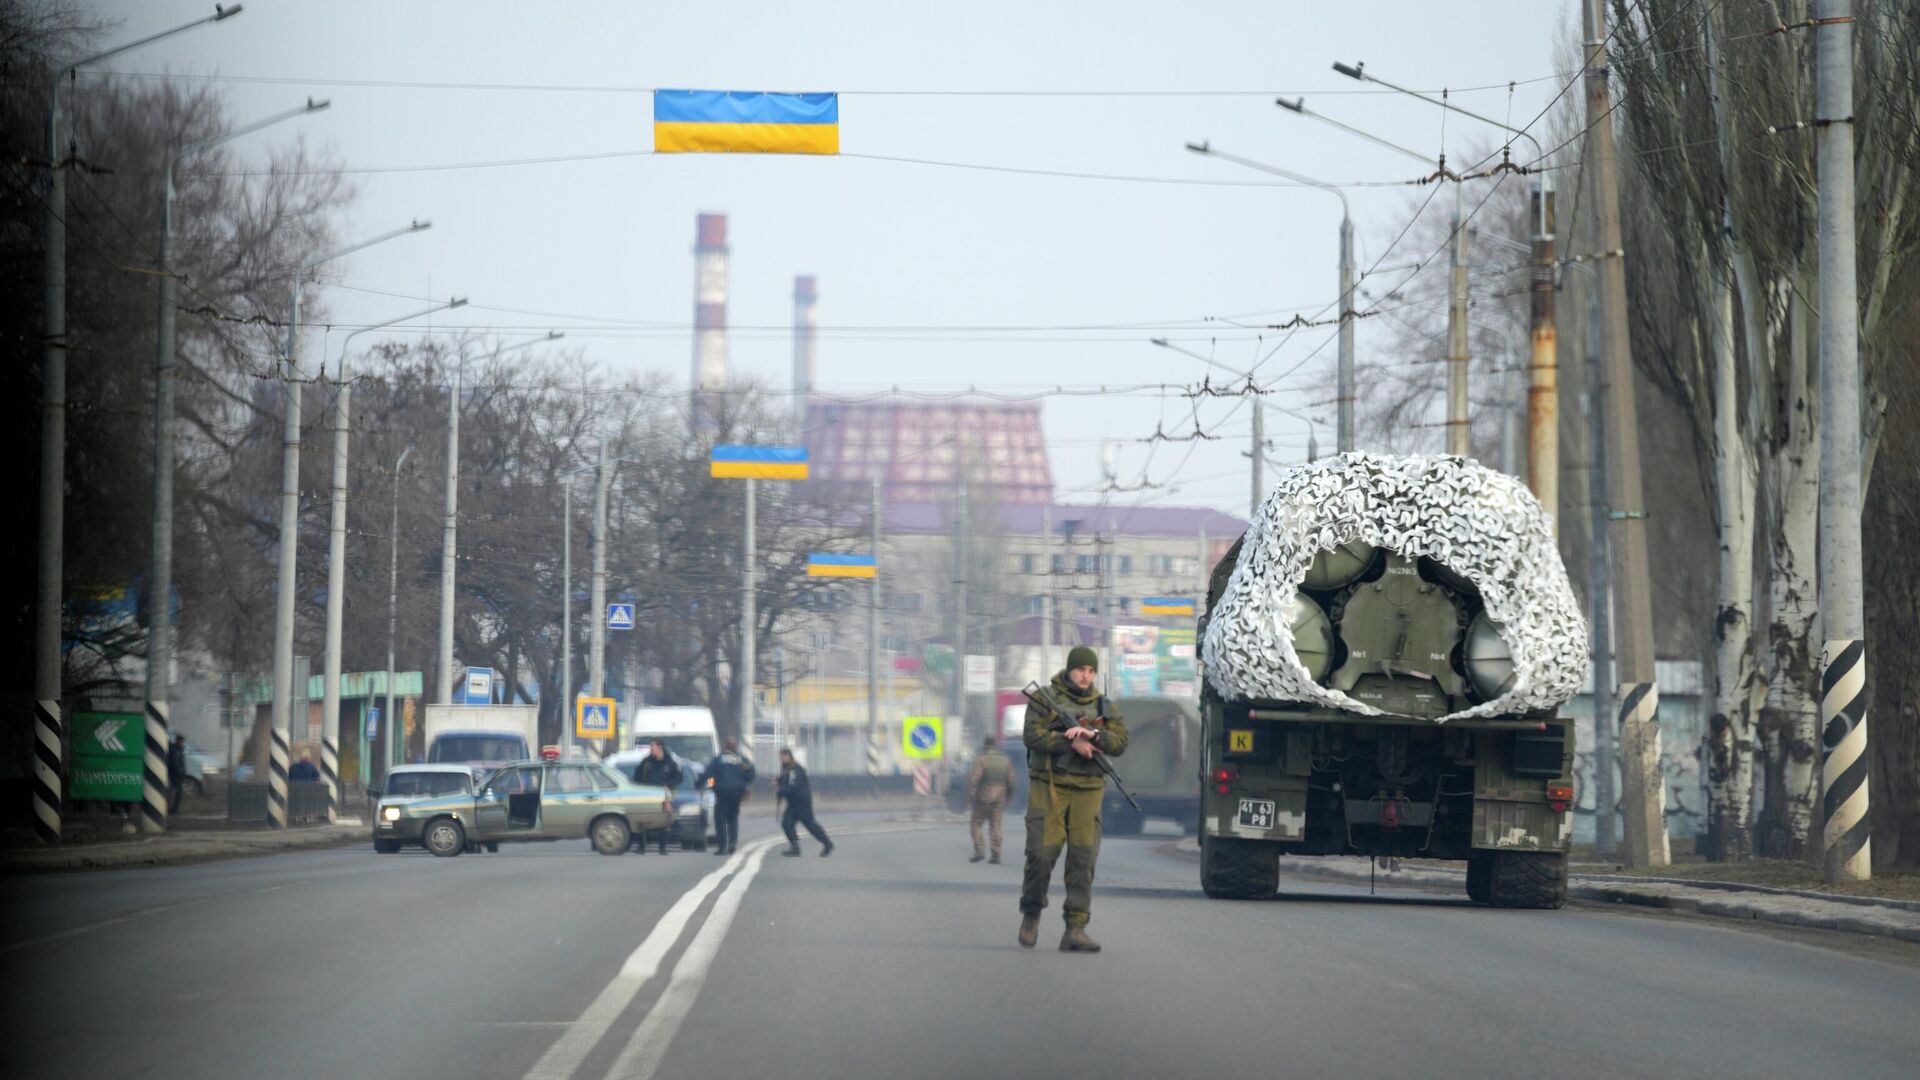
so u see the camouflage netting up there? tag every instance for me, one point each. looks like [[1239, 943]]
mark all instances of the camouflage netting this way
[[1479, 523]]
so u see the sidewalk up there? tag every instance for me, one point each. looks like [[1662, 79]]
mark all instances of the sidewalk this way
[[179, 846], [1850, 914]]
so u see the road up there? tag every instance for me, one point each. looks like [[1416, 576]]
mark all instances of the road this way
[[894, 957]]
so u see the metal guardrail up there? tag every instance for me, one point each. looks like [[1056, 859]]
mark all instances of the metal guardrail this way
[[306, 803]]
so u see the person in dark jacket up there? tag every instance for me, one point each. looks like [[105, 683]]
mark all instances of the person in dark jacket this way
[[728, 777], [660, 770], [797, 790], [304, 769], [176, 772]]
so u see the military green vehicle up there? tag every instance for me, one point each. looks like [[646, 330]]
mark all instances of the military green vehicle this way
[[1412, 639], [1162, 747]]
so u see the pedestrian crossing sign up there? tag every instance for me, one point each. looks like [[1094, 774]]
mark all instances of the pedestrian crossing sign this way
[[593, 718], [921, 737], [619, 616]]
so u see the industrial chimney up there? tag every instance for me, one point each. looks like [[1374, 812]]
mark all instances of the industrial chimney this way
[[709, 311], [805, 321]]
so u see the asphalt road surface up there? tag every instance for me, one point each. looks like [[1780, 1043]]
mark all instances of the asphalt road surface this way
[[895, 957]]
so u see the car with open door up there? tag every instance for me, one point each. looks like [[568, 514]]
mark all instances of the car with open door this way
[[547, 799]]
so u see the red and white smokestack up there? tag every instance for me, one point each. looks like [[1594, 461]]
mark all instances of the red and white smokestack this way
[[806, 320], [710, 304]]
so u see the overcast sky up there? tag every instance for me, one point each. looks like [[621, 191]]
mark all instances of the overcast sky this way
[[952, 256]]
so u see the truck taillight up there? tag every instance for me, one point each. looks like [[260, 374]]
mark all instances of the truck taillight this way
[[1558, 796], [1223, 779]]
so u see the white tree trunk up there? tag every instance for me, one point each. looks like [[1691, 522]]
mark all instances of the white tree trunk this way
[[1794, 697], [1730, 728]]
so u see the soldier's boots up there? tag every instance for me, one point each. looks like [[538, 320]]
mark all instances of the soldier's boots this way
[[977, 857], [1029, 929], [1076, 940], [995, 860]]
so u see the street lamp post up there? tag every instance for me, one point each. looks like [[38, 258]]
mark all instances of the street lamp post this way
[[155, 782], [1543, 389], [1345, 435], [48, 753], [278, 751], [396, 731], [337, 562], [1458, 353]]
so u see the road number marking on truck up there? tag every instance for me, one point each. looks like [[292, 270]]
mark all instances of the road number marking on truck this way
[[1256, 813], [1239, 742]]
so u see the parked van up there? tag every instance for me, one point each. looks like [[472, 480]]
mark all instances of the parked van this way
[[694, 740]]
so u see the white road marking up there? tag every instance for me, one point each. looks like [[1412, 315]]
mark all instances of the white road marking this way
[[649, 1042], [573, 1046]]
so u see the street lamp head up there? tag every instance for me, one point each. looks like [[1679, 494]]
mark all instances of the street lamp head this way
[[420, 226], [556, 335], [221, 11], [1160, 341], [1298, 104], [458, 301], [1200, 147], [1356, 71], [319, 105]]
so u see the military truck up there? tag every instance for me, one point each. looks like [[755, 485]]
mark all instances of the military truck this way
[[1402, 774], [1162, 746]]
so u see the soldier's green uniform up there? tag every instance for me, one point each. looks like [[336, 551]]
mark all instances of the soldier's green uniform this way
[[1064, 793]]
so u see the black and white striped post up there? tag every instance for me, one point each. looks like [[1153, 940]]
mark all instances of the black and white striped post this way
[[48, 771], [277, 780], [1845, 841], [153, 770], [330, 776]]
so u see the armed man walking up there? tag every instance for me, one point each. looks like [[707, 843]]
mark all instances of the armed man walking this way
[[1068, 725], [987, 795], [794, 787]]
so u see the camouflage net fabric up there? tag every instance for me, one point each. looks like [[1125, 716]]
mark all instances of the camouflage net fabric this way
[[1479, 523]]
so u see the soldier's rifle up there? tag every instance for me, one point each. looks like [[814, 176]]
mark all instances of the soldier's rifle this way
[[1038, 698]]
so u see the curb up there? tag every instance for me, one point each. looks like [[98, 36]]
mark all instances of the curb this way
[[1854, 914], [178, 848]]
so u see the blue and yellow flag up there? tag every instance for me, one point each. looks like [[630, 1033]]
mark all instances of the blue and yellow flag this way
[[1166, 605], [829, 564], [737, 462], [745, 122]]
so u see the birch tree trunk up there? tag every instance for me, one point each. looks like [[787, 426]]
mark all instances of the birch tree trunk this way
[[1730, 727], [1794, 701]]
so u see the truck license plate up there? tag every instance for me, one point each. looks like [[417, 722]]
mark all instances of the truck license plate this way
[[1256, 813]]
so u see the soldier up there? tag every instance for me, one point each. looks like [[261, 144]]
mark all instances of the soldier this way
[[987, 795], [794, 787], [1063, 795]]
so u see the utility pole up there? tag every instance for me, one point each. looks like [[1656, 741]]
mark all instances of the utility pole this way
[[749, 620], [1459, 352], [1543, 382], [396, 731], [1846, 840], [1046, 596], [566, 618], [1600, 596], [443, 693], [873, 626], [153, 772], [597, 612], [1258, 454], [961, 553], [279, 750], [1626, 511], [1348, 282]]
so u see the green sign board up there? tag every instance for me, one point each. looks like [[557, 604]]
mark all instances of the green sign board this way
[[107, 753]]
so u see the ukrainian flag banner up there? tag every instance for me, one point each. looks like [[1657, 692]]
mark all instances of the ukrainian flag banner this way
[[1166, 605], [828, 564], [759, 462], [745, 122]]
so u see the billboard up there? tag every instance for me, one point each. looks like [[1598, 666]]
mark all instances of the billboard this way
[[1154, 660]]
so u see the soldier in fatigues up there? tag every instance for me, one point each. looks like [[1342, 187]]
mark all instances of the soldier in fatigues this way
[[987, 788], [1063, 796]]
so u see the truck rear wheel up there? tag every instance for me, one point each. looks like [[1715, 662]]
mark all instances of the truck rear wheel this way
[[1526, 879], [1238, 869]]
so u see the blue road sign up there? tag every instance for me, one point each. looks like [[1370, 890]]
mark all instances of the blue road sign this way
[[619, 616], [921, 737], [373, 721]]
